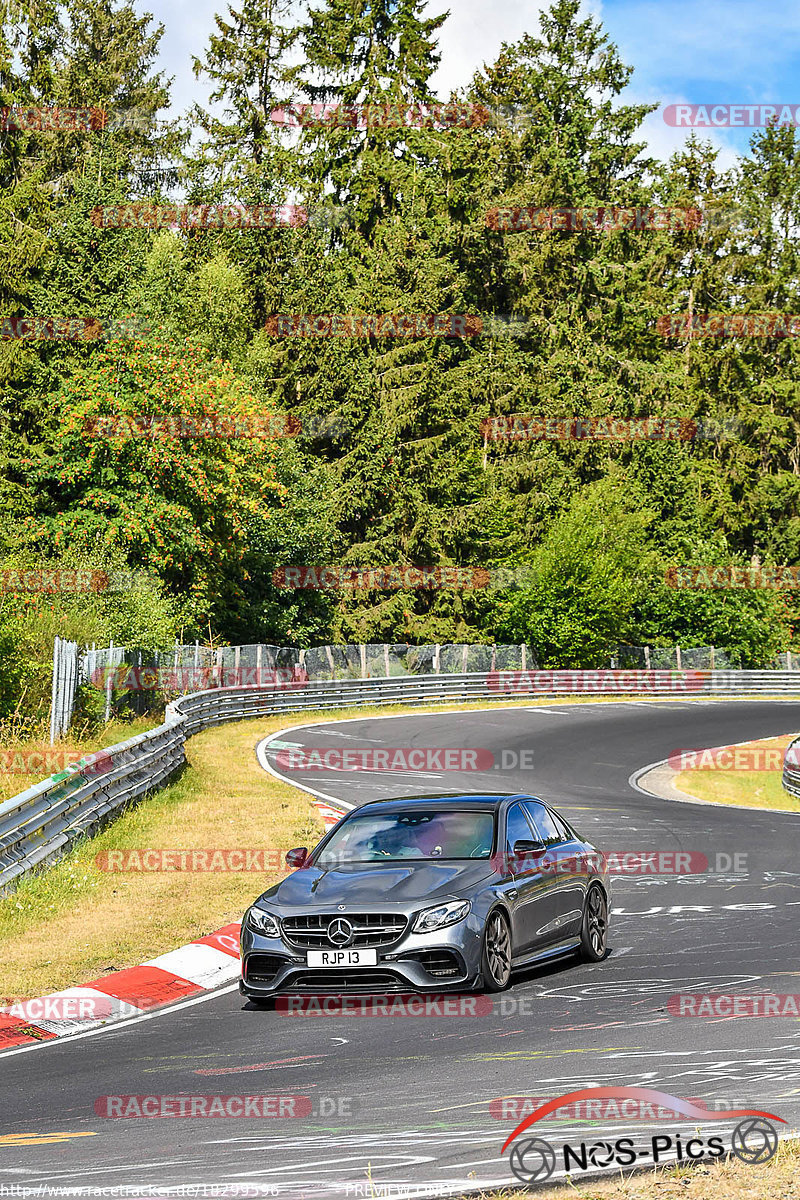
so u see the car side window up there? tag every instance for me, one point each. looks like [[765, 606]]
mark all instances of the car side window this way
[[566, 833], [518, 828], [545, 825]]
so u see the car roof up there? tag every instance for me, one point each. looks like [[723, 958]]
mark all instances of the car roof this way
[[444, 801]]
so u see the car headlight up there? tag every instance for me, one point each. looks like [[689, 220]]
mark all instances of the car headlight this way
[[441, 916], [262, 922]]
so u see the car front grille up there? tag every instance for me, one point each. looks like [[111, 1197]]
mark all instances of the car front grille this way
[[346, 981], [369, 929]]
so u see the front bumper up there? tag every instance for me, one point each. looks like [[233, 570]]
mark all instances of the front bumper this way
[[445, 960]]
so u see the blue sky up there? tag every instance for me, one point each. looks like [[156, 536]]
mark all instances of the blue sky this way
[[682, 51]]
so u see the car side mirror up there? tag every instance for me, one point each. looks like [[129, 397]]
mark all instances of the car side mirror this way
[[297, 857], [525, 849]]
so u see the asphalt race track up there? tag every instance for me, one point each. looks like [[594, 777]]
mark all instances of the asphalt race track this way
[[414, 1092]]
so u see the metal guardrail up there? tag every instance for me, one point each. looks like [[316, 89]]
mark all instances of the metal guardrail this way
[[791, 768], [39, 824]]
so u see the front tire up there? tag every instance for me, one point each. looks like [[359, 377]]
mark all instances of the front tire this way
[[496, 953], [594, 927]]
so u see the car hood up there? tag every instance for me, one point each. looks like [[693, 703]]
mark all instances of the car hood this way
[[377, 884]]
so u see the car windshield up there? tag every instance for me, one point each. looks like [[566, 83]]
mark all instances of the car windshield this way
[[417, 835]]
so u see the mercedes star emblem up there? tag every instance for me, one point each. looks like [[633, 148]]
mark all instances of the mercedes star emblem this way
[[340, 932]]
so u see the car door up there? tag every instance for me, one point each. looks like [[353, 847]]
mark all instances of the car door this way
[[565, 868], [529, 914]]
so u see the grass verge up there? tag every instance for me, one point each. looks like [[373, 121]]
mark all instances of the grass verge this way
[[25, 763], [760, 789], [74, 921]]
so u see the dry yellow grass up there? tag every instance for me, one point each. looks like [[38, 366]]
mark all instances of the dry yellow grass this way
[[761, 789], [75, 922], [778, 1179], [26, 768]]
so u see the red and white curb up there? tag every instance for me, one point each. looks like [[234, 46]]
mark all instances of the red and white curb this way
[[181, 974], [330, 816], [201, 965]]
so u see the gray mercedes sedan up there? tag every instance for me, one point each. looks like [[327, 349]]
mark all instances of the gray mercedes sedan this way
[[428, 894]]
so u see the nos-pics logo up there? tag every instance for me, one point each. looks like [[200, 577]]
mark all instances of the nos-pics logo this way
[[533, 1160]]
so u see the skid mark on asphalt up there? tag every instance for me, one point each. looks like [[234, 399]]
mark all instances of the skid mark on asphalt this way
[[541, 1055], [305, 1060]]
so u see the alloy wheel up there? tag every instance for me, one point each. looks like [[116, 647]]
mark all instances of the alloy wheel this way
[[597, 920], [498, 949]]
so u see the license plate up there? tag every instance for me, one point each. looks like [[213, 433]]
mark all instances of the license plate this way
[[342, 958]]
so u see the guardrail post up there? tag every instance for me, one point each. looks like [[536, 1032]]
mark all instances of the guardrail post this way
[[54, 690], [109, 678]]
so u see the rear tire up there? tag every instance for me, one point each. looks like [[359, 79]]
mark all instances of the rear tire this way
[[496, 953], [594, 927]]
